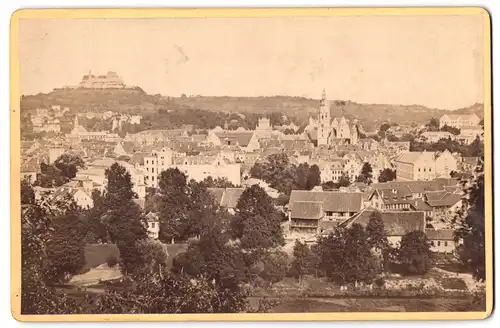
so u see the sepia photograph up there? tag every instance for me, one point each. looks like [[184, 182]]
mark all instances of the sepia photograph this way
[[273, 164]]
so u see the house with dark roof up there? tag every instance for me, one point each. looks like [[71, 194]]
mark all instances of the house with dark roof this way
[[396, 223], [308, 209], [304, 217], [443, 203], [246, 140], [227, 197], [442, 240]]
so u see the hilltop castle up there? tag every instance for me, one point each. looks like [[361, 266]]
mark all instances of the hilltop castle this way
[[91, 81], [330, 132]]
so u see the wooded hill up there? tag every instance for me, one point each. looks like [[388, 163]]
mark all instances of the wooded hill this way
[[297, 109]]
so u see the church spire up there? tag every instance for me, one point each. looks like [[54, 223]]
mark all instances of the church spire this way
[[75, 125]]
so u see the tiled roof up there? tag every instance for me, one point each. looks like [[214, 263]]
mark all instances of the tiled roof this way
[[420, 205], [306, 210], [242, 139], [333, 201], [447, 200], [231, 197], [395, 223], [138, 158], [217, 193], [441, 234]]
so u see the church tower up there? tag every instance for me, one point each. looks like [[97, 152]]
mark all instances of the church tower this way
[[323, 121]]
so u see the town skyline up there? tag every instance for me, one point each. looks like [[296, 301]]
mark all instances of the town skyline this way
[[313, 53]]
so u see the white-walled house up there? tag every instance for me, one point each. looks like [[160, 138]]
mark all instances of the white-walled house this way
[[458, 121], [415, 166], [445, 164], [442, 241]]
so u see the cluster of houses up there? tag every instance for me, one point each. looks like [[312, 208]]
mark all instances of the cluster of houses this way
[[423, 197], [404, 206]]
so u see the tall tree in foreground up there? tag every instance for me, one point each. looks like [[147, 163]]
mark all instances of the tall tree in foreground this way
[[377, 239], [173, 206], [36, 296], [471, 222], [65, 249], [124, 219], [299, 264], [256, 218], [415, 252]]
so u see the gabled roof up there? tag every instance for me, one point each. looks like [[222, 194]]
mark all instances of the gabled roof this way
[[441, 234], [306, 210], [217, 193], [333, 201], [242, 138], [395, 223], [231, 197], [447, 200]]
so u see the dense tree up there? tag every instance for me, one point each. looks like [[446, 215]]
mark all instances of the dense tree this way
[[153, 255], [171, 294], [471, 222], [256, 218], [299, 266], [36, 296], [314, 177], [450, 129], [213, 257], [475, 149], [50, 176], [344, 181], [69, 164], [377, 239], [27, 193], [345, 256], [275, 266], [172, 208], [97, 232], [366, 174], [433, 124], [65, 249], [415, 252], [387, 175], [210, 182], [124, 219]]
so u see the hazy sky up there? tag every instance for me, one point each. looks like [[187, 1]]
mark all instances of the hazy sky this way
[[435, 61]]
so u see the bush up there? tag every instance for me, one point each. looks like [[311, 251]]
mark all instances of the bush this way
[[112, 261], [380, 282]]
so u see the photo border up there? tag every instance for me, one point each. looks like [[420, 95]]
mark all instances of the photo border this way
[[15, 143]]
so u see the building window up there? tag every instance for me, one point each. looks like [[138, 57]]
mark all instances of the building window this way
[[152, 162], [152, 225], [424, 169], [445, 243], [147, 162], [439, 243], [418, 169], [152, 178], [152, 170], [432, 242]]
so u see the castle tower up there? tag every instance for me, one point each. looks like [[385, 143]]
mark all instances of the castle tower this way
[[323, 121]]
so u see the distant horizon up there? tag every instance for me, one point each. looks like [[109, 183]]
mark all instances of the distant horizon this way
[[436, 60], [263, 96]]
